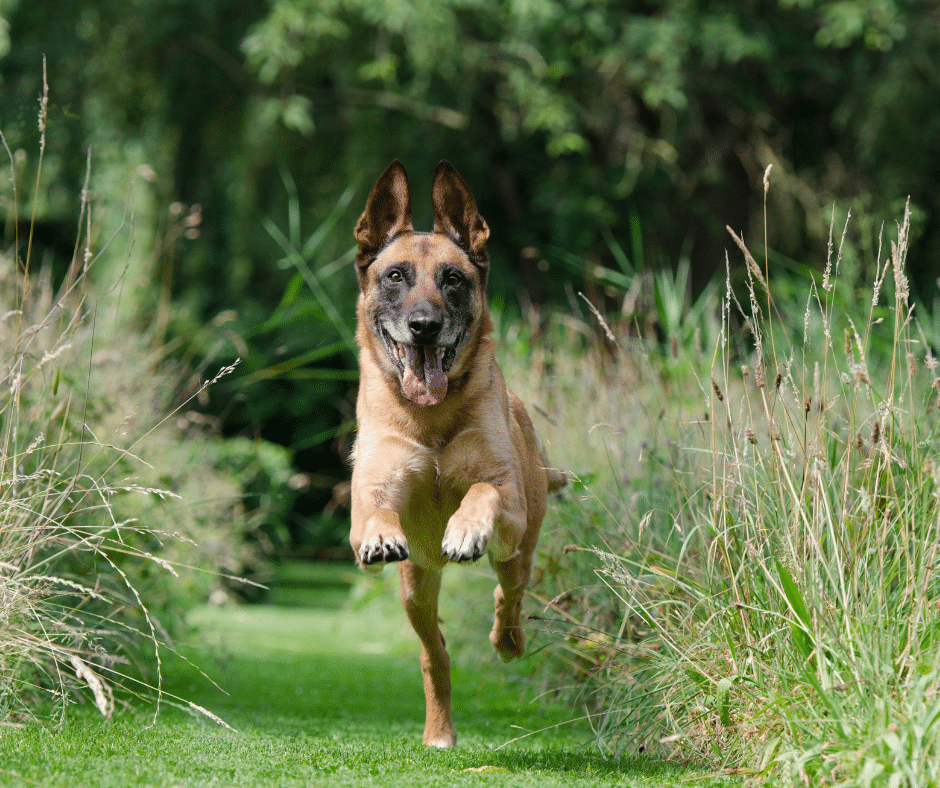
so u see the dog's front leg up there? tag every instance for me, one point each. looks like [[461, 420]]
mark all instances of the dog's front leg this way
[[419, 591], [487, 512], [382, 481], [378, 539]]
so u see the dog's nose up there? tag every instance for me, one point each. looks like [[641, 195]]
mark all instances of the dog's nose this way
[[424, 327]]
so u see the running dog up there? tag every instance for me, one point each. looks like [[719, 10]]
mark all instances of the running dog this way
[[446, 465]]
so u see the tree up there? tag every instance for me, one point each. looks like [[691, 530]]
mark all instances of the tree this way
[[601, 139]]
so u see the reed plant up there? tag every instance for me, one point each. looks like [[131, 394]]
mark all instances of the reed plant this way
[[89, 549], [754, 534], [95, 540]]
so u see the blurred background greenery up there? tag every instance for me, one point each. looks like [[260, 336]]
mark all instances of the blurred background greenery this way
[[608, 144]]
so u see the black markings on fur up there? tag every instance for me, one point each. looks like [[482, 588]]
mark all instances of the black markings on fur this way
[[456, 287], [394, 292], [386, 551]]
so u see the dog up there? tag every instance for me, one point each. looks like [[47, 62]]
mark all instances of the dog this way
[[447, 466]]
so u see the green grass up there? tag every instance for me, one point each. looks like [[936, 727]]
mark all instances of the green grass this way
[[746, 564], [321, 695], [295, 580]]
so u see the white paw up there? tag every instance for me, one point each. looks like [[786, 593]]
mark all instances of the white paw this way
[[379, 549], [465, 542], [442, 742]]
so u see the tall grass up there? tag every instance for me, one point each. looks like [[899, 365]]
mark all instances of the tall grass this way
[[757, 536], [80, 559], [90, 552]]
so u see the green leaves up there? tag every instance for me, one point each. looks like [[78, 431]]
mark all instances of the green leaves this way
[[801, 629], [723, 693]]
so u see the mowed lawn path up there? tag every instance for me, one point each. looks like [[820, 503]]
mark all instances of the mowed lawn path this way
[[320, 696]]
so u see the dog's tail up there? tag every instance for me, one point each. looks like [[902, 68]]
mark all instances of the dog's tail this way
[[556, 478]]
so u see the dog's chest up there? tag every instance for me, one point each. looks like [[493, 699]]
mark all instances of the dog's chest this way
[[430, 503], [436, 493]]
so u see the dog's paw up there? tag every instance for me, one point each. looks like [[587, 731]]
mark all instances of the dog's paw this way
[[509, 641], [465, 541], [381, 549], [507, 636]]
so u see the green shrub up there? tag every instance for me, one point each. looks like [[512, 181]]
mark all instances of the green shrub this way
[[107, 501], [744, 572]]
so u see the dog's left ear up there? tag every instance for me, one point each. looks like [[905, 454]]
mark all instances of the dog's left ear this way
[[455, 212]]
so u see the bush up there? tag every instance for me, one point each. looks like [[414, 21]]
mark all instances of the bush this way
[[758, 533], [96, 542]]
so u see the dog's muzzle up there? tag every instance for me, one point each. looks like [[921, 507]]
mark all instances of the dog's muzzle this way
[[421, 369]]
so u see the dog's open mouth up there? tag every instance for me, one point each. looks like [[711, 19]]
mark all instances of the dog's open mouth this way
[[421, 370]]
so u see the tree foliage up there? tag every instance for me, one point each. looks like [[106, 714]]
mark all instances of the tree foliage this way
[[602, 139], [568, 117], [573, 116]]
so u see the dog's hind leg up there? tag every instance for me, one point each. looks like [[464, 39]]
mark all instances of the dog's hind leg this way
[[507, 636], [419, 593]]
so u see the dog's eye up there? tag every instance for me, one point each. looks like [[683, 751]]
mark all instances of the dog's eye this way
[[394, 276], [453, 279]]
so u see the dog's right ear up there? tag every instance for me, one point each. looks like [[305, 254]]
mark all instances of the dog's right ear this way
[[387, 214]]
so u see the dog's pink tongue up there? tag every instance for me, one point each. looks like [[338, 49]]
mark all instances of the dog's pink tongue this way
[[434, 376], [424, 381]]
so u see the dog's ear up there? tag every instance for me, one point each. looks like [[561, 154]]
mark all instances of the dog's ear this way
[[455, 213], [387, 213]]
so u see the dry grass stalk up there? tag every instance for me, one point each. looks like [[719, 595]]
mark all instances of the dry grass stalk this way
[[72, 619], [752, 265], [778, 615]]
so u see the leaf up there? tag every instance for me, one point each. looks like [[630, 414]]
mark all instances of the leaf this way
[[800, 629], [869, 772], [617, 251], [292, 290], [793, 595], [296, 114], [699, 678], [724, 701]]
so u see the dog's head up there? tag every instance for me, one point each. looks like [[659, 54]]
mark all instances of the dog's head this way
[[422, 294]]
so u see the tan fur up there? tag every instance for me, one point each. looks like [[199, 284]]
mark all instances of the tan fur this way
[[454, 479]]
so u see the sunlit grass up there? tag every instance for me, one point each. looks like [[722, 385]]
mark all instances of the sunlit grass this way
[[92, 536], [750, 580]]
